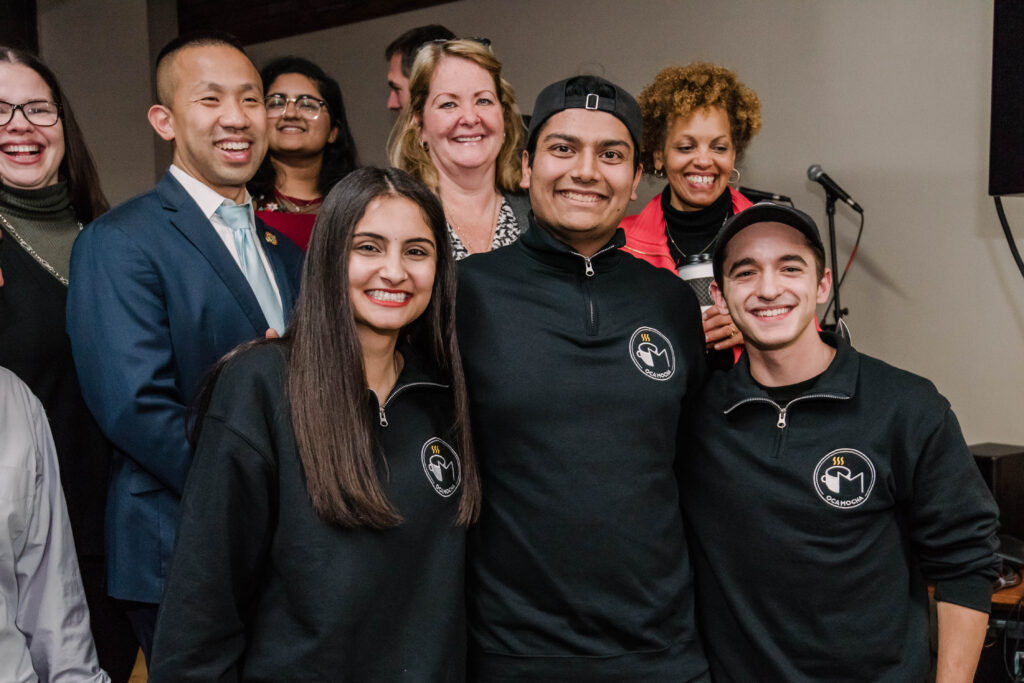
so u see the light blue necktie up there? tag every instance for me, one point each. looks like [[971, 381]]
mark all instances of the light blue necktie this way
[[237, 218]]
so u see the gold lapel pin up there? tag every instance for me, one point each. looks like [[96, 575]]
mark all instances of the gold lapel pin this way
[[270, 237]]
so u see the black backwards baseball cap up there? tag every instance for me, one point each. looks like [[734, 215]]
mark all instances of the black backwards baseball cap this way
[[555, 98], [763, 212]]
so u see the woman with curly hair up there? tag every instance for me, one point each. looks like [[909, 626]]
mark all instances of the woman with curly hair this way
[[310, 147], [698, 120], [462, 137]]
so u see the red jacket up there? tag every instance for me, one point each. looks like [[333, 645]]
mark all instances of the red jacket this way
[[645, 232]]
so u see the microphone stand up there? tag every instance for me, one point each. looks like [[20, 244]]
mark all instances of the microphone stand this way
[[830, 209]]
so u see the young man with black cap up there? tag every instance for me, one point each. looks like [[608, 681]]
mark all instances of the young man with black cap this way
[[579, 359], [827, 489]]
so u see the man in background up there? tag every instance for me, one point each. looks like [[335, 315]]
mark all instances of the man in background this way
[[162, 287], [400, 55]]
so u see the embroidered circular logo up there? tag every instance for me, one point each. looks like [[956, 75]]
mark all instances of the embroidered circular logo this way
[[652, 353], [442, 467], [844, 478]]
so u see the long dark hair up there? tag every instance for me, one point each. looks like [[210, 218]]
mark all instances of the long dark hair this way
[[77, 167], [340, 156], [337, 448]]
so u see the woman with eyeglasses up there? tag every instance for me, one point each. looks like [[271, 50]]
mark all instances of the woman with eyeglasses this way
[[48, 189], [462, 136], [310, 146], [323, 524]]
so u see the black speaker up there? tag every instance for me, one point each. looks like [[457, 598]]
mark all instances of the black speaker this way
[[1002, 467], [1006, 141]]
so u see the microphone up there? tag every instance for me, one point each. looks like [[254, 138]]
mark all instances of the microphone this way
[[819, 176], [762, 196]]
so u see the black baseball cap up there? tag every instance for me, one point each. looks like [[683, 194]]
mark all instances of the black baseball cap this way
[[763, 212], [555, 98]]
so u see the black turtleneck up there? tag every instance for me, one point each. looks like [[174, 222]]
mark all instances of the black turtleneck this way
[[692, 232]]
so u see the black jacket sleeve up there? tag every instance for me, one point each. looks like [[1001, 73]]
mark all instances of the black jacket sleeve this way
[[223, 541], [954, 520]]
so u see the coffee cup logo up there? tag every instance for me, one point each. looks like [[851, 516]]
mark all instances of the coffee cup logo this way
[[844, 478], [652, 353], [442, 466]]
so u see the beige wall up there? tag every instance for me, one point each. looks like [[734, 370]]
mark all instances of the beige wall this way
[[100, 52], [891, 97]]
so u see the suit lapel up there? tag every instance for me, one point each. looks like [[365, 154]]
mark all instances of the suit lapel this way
[[271, 242], [184, 214]]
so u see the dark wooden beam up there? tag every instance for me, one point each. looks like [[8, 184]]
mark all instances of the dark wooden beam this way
[[18, 25], [257, 21]]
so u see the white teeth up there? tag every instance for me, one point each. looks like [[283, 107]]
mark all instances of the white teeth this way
[[580, 197], [381, 295], [234, 146], [773, 312], [476, 138], [701, 179], [20, 149]]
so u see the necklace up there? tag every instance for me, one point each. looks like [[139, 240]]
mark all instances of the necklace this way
[[32, 252], [490, 236], [296, 205], [706, 246]]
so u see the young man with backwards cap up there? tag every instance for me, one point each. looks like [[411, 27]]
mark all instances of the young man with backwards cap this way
[[579, 359], [827, 488]]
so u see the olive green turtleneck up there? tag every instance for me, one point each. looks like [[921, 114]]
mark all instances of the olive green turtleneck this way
[[44, 219]]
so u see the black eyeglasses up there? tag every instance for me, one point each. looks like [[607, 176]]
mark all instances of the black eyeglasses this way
[[37, 112], [307, 107]]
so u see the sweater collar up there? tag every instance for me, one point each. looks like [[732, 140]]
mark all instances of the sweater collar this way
[[545, 247], [52, 200], [839, 378]]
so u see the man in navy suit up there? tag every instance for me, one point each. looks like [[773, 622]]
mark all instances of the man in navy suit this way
[[163, 286]]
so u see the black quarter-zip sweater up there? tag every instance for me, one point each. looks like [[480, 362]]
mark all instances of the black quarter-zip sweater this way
[[262, 589], [818, 523], [578, 370]]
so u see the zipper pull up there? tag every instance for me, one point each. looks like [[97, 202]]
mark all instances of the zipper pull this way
[[781, 424], [383, 417], [590, 268]]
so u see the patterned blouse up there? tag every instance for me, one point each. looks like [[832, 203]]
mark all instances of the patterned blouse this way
[[506, 232]]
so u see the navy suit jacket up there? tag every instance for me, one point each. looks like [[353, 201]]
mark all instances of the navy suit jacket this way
[[155, 300]]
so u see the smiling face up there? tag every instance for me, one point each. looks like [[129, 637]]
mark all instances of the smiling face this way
[[771, 287], [30, 155], [291, 134], [215, 117], [391, 267], [581, 177], [462, 120], [698, 157]]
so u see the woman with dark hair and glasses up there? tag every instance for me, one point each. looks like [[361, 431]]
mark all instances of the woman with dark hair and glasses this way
[[462, 136], [48, 189], [322, 530], [310, 146]]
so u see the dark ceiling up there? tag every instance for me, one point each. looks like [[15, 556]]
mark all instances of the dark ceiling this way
[[256, 21]]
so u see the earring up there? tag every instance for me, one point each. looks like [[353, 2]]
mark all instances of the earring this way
[[658, 172], [426, 147], [737, 180]]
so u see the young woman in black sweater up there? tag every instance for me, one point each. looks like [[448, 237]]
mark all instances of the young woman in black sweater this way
[[323, 522]]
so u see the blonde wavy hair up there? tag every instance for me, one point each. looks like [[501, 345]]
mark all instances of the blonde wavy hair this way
[[678, 91], [405, 143]]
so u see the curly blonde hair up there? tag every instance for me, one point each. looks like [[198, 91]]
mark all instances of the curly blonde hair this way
[[405, 142], [681, 90]]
